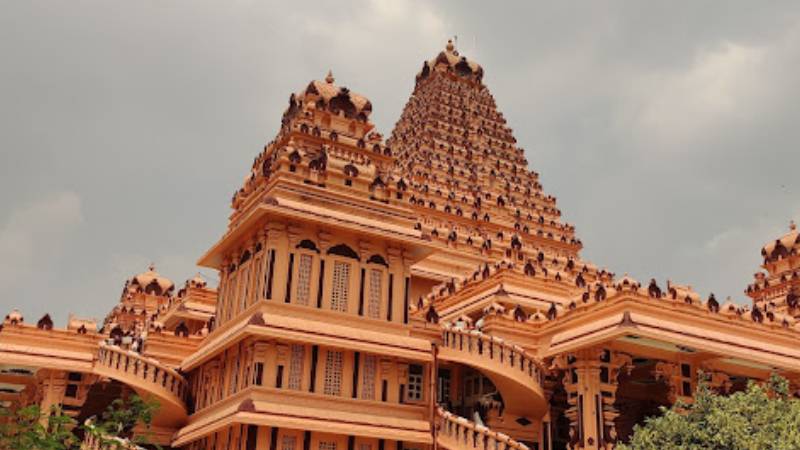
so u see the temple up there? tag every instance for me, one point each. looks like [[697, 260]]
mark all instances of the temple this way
[[415, 292]]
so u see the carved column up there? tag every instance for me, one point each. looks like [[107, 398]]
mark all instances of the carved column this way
[[591, 384], [614, 363], [53, 387], [582, 383]]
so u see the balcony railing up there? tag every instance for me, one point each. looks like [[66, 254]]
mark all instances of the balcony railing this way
[[151, 375], [457, 433], [493, 350]]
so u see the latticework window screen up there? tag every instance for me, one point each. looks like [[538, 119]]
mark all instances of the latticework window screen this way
[[304, 279], [375, 289], [333, 373], [289, 443], [341, 286], [368, 377], [296, 366]]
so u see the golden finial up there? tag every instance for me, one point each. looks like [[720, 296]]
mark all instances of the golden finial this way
[[152, 267], [450, 47], [792, 225], [329, 78]]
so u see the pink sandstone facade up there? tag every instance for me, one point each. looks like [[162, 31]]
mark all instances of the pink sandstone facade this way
[[409, 293]]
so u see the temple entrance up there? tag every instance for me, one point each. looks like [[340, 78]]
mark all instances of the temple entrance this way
[[639, 396], [468, 393]]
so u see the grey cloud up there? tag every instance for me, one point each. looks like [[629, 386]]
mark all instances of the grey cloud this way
[[151, 113]]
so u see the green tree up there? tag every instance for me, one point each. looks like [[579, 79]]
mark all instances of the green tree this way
[[29, 428], [763, 417]]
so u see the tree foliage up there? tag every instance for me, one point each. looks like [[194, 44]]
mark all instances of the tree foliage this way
[[764, 416], [30, 428]]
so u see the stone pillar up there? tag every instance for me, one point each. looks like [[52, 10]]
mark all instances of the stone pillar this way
[[582, 383], [53, 387], [591, 384]]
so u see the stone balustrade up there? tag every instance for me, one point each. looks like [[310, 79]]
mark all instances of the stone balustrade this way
[[145, 373], [494, 350], [457, 433], [92, 442]]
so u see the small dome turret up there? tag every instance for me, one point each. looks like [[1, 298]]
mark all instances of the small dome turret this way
[[788, 244], [150, 282], [449, 60]]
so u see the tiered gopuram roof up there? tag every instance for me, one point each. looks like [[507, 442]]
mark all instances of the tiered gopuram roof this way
[[468, 180]]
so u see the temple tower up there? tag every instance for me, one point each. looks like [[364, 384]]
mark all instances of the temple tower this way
[[312, 345], [468, 181]]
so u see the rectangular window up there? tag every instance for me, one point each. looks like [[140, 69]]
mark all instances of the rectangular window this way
[[340, 289], [443, 394], [289, 443], [270, 262], [327, 445], [255, 276], [279, 377], [314, 357], [252, 437], [356, 358], [296, 366], [333, 373], [245, 290], [234, 378], [391, 298], [233, 297], [259, 373], [288, 296], [321, 282], [415, 380], [375, 291], [368, 377], [303, 279]]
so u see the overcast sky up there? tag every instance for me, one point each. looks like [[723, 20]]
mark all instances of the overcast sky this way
[[668, 132]]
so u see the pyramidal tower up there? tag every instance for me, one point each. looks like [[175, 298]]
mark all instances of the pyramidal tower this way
[[468, 180]]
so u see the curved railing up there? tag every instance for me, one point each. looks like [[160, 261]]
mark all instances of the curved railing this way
[[144, 374], [92, 442], [493, 349], [457, 433], [517, 375]]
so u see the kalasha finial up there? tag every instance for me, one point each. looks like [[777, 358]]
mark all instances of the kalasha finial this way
[[329, 78], [152, 267], [792, 225], [450, 47]]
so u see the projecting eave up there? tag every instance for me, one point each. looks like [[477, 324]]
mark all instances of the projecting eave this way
[[629, 316], [276, 207]]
